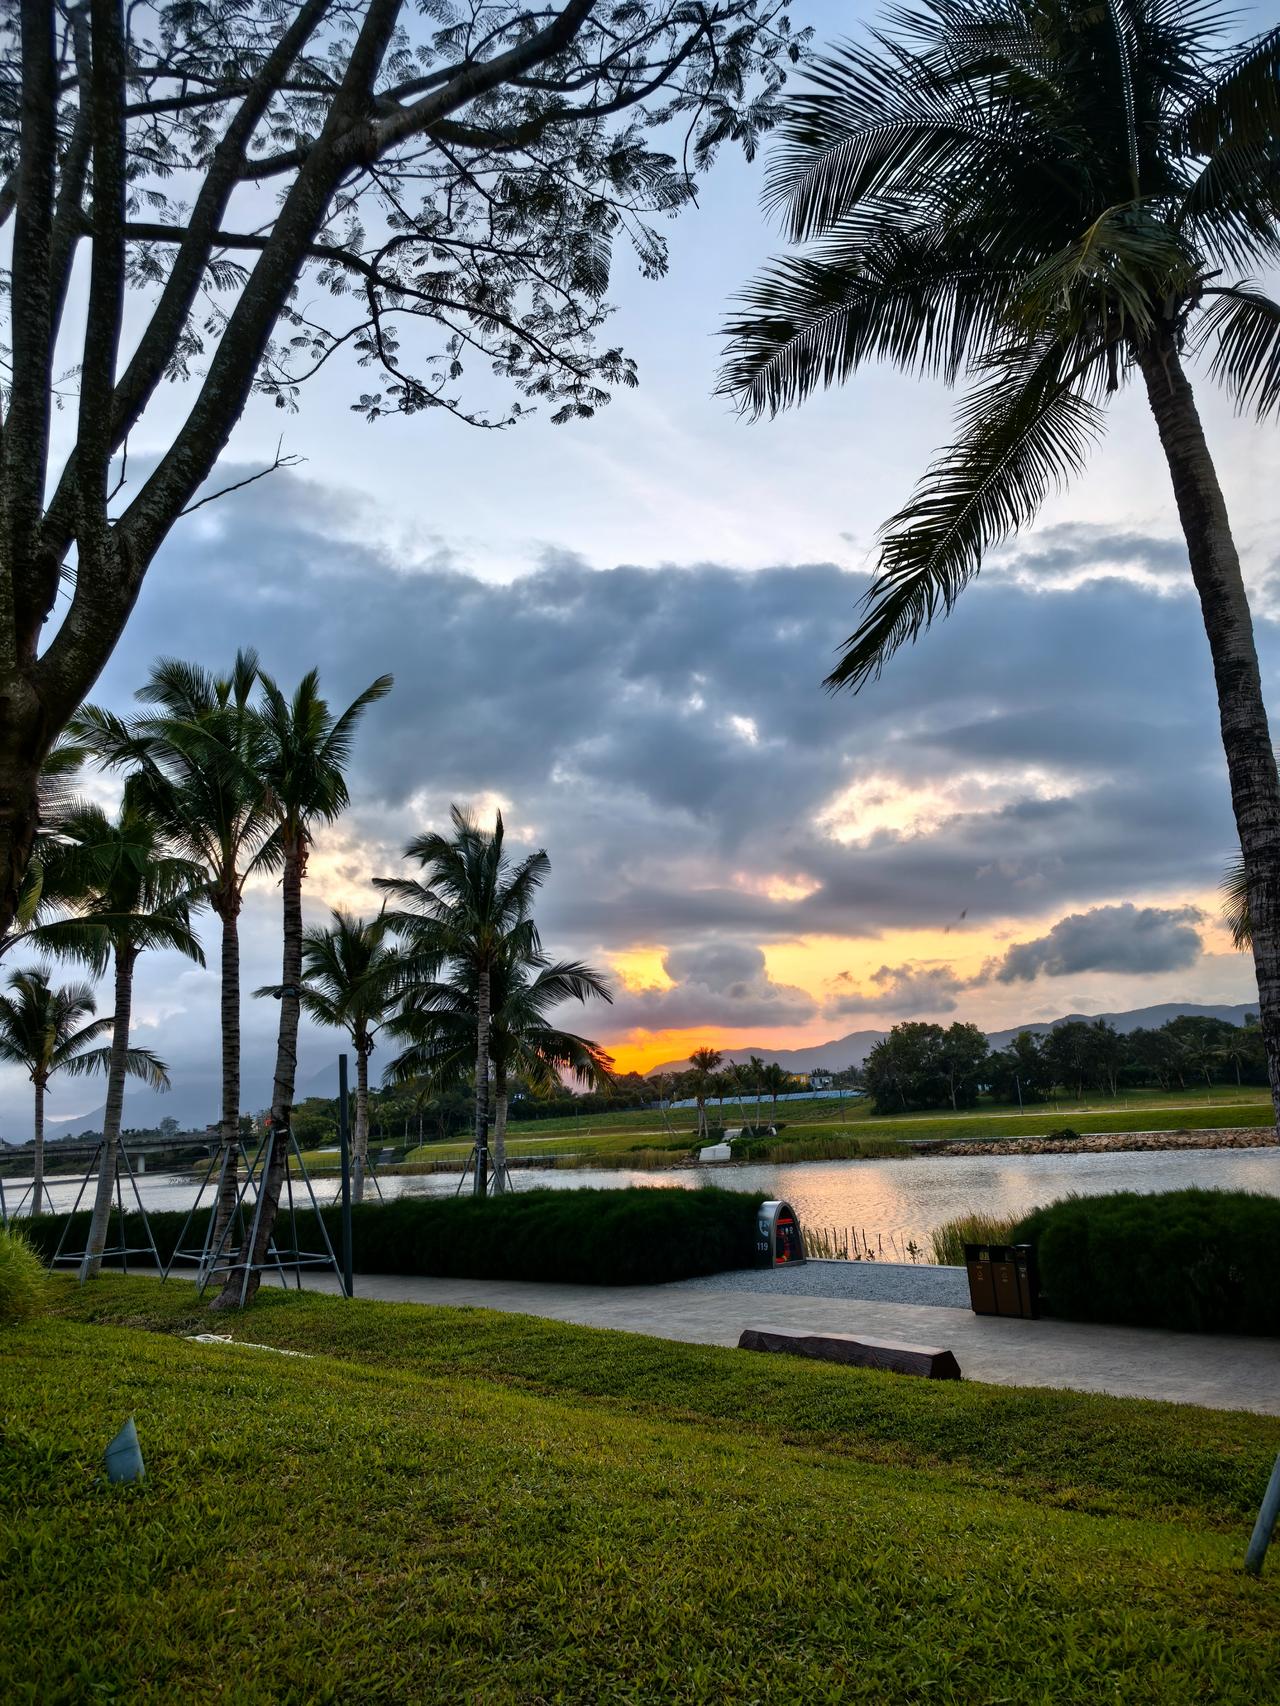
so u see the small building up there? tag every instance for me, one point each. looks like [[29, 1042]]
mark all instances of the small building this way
[[820, 1080]]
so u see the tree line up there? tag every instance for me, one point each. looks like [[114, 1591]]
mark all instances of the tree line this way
[[920, 1065], [227, 777]]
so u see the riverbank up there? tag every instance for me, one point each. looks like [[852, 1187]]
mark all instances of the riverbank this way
[[1104, 1143]]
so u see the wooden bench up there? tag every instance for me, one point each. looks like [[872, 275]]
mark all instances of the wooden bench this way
[[929, 1361]]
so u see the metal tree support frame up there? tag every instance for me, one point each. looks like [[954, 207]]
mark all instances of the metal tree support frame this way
[[200, 1254], [293, 1258], [124, 1249], [471, 1166], [1265, 1526]]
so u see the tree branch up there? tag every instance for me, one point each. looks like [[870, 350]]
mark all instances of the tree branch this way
[[249, 480], [24, 454]]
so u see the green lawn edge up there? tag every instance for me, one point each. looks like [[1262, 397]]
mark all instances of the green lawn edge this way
[[1069, 1449], [404, 1515]]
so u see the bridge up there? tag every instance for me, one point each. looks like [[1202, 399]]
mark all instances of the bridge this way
[[67, 1153]]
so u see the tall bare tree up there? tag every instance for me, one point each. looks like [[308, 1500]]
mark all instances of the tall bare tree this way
[[460, 172]]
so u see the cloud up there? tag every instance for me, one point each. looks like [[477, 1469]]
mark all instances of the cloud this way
[[662, 731], [721, 983], [1126, 938], [904, 991]]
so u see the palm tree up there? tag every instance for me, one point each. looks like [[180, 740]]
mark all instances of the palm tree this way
[[1052, 198], [348, 982], [303, 752], [131, 895], [704, 1062], [196, 760], [776, 1080], [523, 1044], [45, 883], [42, 1029], [755, 1072], [472, 911]]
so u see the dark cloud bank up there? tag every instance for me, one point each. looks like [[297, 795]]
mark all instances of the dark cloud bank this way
[[664, 733]]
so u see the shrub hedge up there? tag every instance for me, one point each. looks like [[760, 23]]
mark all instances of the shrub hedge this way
[[1196, 1261], [638, 1236]]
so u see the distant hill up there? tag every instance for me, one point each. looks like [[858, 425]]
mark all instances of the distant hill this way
[[853, 1049], [1136, 1019], [840, 1052]]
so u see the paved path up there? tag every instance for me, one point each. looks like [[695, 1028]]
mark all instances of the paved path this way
[[1133, 1362]]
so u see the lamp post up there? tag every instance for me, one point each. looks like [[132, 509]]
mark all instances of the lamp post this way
[[344, 1141]]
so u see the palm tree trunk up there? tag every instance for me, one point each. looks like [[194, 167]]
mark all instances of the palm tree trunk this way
[[360, 1145], [229, 1129], [244, 1287], [96, 1242], [482, 1083], [499, 1132], [37, 1169], [1224, 605]]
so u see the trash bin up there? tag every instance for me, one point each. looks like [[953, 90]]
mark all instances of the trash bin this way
[[779, 1240], [982, 1286], [1002, 1280]]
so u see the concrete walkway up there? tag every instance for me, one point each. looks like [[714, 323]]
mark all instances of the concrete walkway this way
[[1131, 1362]]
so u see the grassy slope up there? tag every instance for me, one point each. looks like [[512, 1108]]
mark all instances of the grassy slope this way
[[452, 1505]]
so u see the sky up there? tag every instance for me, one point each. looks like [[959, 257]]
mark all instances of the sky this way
[[616, 632]]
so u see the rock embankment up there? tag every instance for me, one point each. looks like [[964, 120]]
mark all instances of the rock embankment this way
[[1094, 1143]]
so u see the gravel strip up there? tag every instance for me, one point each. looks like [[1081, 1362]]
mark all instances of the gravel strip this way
[[868, 1282]]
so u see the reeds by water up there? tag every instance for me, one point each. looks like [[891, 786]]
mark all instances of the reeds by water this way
[[950, 1238], [855, 1244]]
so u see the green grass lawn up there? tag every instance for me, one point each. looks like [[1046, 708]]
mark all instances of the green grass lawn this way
[[447, 1505], [635, 1139]]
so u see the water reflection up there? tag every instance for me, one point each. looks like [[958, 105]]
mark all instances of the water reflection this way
[[904, 1198]]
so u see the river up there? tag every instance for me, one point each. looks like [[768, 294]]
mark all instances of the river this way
[[892, 1201]]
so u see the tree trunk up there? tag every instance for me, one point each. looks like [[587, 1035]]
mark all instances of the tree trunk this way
[[243, 1287], [360, 1142], [499, 1132], [229, 1128], [37, 1170], [22, 750], [96, 1242], [1246, 738], [482, 1083]]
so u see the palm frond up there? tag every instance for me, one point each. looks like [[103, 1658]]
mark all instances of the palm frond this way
[[138, 1063], [1234, 889], [1117, 272], [923, 300], [1244, 326], [879, 127], [1023, 433], [1241, 103]]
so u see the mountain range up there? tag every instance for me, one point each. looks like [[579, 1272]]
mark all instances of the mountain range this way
[[853, 1049]]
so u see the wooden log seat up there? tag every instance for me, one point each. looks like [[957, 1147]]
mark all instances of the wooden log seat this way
[[855, 1350]]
